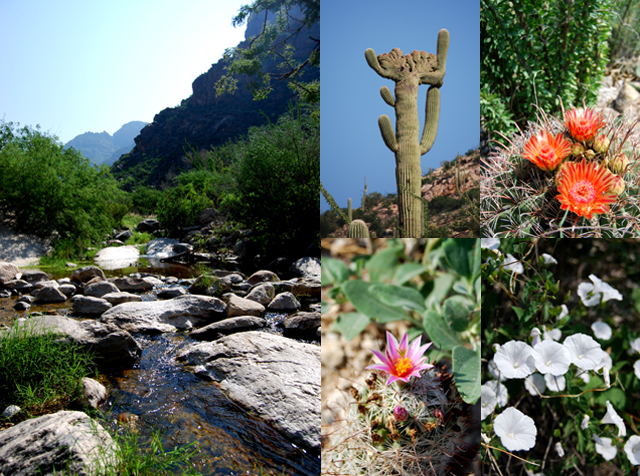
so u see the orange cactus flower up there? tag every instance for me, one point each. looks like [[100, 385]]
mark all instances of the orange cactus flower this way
[[583, 123], [585, 188], [547, 151]]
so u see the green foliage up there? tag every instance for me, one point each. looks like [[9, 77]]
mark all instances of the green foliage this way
[[444, 204], [444, 303], [625, 28], [536, 52], [37, 370], [180, 205], [145, 200], [45, 188], [278, 176]]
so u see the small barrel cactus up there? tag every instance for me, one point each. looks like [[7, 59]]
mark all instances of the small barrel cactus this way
[[412, 422], [357, 229]]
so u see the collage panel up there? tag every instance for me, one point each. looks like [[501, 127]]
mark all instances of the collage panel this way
[[401, 354], [400, 119]]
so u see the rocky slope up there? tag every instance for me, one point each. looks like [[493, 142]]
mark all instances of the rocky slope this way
[[449, 190], [102, 147], [204, 120]]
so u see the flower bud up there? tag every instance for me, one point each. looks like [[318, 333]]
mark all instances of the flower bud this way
[[577, 149], [619, 164], [601, 144], [400, 414], [618, 185], [589, 154]]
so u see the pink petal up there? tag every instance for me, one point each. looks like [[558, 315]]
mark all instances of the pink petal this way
[[383, 358]]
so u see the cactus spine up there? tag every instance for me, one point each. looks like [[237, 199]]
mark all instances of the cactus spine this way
[[408, 72], [357, 229]]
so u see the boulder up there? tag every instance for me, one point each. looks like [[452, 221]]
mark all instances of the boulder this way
[[228, 326], [113, 347], [5, 293], [148, 225], [120, 297], [18, 285], [276, 378], [172, 292], [46, 444], [123, 235], [262, 277], [184, 312], [302, 286], [42, 284], [21, 306], [117, 257], [210, 285], [34, 275], [303, 325], [67, 289], [48, 294], [11, 410], [161, 248], [100, 288], [284, 302], [306, 268], [89, 304], [82, 275], [209, 215], [8, 272], [237, 306], [263, 293], [131, 284], [153, 281], [93, 393]]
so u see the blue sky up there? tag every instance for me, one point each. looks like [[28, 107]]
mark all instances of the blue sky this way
[[75, 66], [351, 147]]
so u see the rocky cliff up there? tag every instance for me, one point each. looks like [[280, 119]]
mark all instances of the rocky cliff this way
[[102, 147], [204, 120]]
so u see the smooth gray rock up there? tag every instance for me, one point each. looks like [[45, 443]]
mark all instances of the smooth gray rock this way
[[11, 410], [34, 275], [120, 297], [263, 293], [237, 306], [172, 292], [48, 294], [82, 275], [22, 306], [67, 289], [276, 378], [112, 346], [148, 225], [93, 393], [100, 289], [161, 248], [302, 286], [152, 317], [5, 293], [262, 277], [229, 326], [303, 325], [123, 235], [306, 268], [285, 302], [8, 272], [136, 285], [45, 444], [89, 304]]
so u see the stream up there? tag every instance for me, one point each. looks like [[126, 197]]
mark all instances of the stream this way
[[159, 393]]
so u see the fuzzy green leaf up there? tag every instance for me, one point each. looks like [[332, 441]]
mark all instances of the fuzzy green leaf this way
[[399, 296], [350, 324], [466, 373], [407, 271], [358, 292], [334, 271], [439, 332]]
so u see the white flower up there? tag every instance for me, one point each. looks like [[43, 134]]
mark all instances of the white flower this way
[[489, 401], [499, 390], [489, 243], [614, 418], [551, 357], [555, 383], [535, 383], [485, 438], [564, 312], [588, 296], [551, 334], [512, 264], [605, 362], [585, 352], [632, 448], [548, 259], [535, 333], [585, 422], [604, 447], [601, 330], [493, 368], [514, 359], [516, 430], [636, 368], [559, 449], [635, 345], [607, 291], [584, 376], [605, 376]]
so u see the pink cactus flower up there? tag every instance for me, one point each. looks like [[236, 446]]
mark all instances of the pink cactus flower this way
[[402, 361]]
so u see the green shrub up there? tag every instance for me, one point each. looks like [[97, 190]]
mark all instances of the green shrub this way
[[145, 200], [536, 52], [179, 206], [443, 204]]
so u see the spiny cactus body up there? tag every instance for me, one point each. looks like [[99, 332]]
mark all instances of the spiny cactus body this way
[[412, 429], [349, 212], [357, 229], [408, 72]]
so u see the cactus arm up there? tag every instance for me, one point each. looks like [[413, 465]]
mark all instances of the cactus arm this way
[[387, 96], [431, 120], [435, 76], [386, 129], [372, 61], [349, 211], [357, 229]]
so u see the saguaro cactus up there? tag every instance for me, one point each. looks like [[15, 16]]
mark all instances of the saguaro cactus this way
[[408, 72], [357, 229]]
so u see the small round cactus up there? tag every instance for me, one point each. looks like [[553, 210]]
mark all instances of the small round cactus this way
[[411, 428], [357, 229]]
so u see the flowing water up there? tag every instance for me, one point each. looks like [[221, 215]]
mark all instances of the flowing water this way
[[159, 393]]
